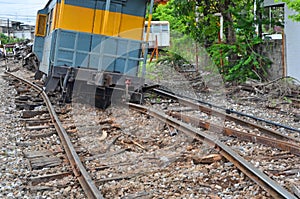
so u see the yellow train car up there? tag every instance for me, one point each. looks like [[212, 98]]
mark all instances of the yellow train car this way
[[95, 43]]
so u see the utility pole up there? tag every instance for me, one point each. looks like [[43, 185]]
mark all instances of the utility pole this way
[[8, 33]]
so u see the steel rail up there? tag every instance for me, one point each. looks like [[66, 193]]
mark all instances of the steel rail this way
[[79, 170], [226, 116], [280, 144], [272, 187], [229, 111]]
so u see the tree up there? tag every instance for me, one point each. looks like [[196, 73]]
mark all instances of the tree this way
[[294, 5], [166, 12], [239, 54], [161, 1]]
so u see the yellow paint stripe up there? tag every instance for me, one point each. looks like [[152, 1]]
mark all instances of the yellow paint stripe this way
[[54, 17], [81, 19], [60, 17], [132, 27], [76, 18]]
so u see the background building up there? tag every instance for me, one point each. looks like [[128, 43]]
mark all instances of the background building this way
[[290, 40], [16, 29]]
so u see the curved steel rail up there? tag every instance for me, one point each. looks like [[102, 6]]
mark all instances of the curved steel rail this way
[[229, 111], [194, 104], [78, 169], [294, 148], [255, 174]]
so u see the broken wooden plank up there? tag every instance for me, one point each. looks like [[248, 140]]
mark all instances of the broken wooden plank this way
[[137, 195], [138, 144], [40, 188], [23, 98], [38, 128], [287, 172], [49, 177], [30, 114], [25, 144], [124, 177], [45, 160], [39, 163], [37, 122], [105, 154], [112, 142], [34, 119], [21, 90], [26, 106], [41, 135], [181, 109], [36, 154], [208, 159]]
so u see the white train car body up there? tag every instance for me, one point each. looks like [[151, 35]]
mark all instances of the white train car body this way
[[159, 32]]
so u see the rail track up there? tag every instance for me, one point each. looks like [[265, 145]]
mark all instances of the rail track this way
[[289, 143], [256, 175], [78, 169], [126, 156], [261, 135]]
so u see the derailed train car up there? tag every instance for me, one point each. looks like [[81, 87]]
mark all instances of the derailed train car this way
[[93, 45]]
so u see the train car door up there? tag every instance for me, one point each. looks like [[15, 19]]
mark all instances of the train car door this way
[[106, 25]]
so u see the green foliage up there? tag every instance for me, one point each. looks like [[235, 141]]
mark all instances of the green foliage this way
[[241, 59], [239, 54], [294, 5], [167, 13], [172, 58], [8, 40]]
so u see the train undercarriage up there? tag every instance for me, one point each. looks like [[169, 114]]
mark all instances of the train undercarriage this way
[[100, 89]]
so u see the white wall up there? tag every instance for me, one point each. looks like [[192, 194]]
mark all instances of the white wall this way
[[26, 34], [292, 32], [292, 41]]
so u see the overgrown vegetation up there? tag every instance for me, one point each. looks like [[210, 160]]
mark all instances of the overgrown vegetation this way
[[238, 55]]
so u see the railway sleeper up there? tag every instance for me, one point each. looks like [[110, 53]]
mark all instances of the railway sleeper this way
[[27, 106], [45, 162], [31, 114], [46, 178]]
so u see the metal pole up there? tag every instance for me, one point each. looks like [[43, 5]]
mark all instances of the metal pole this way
[[147, 38], [8, 33], [283, 54], [221, 27], [149, 20], [107, 6], [196, 42]]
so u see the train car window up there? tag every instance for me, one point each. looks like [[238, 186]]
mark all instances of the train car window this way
[[155, 28], [165, 28], [41, 25], [49, 22]]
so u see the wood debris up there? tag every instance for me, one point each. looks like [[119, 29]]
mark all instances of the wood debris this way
[[208, 159]]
